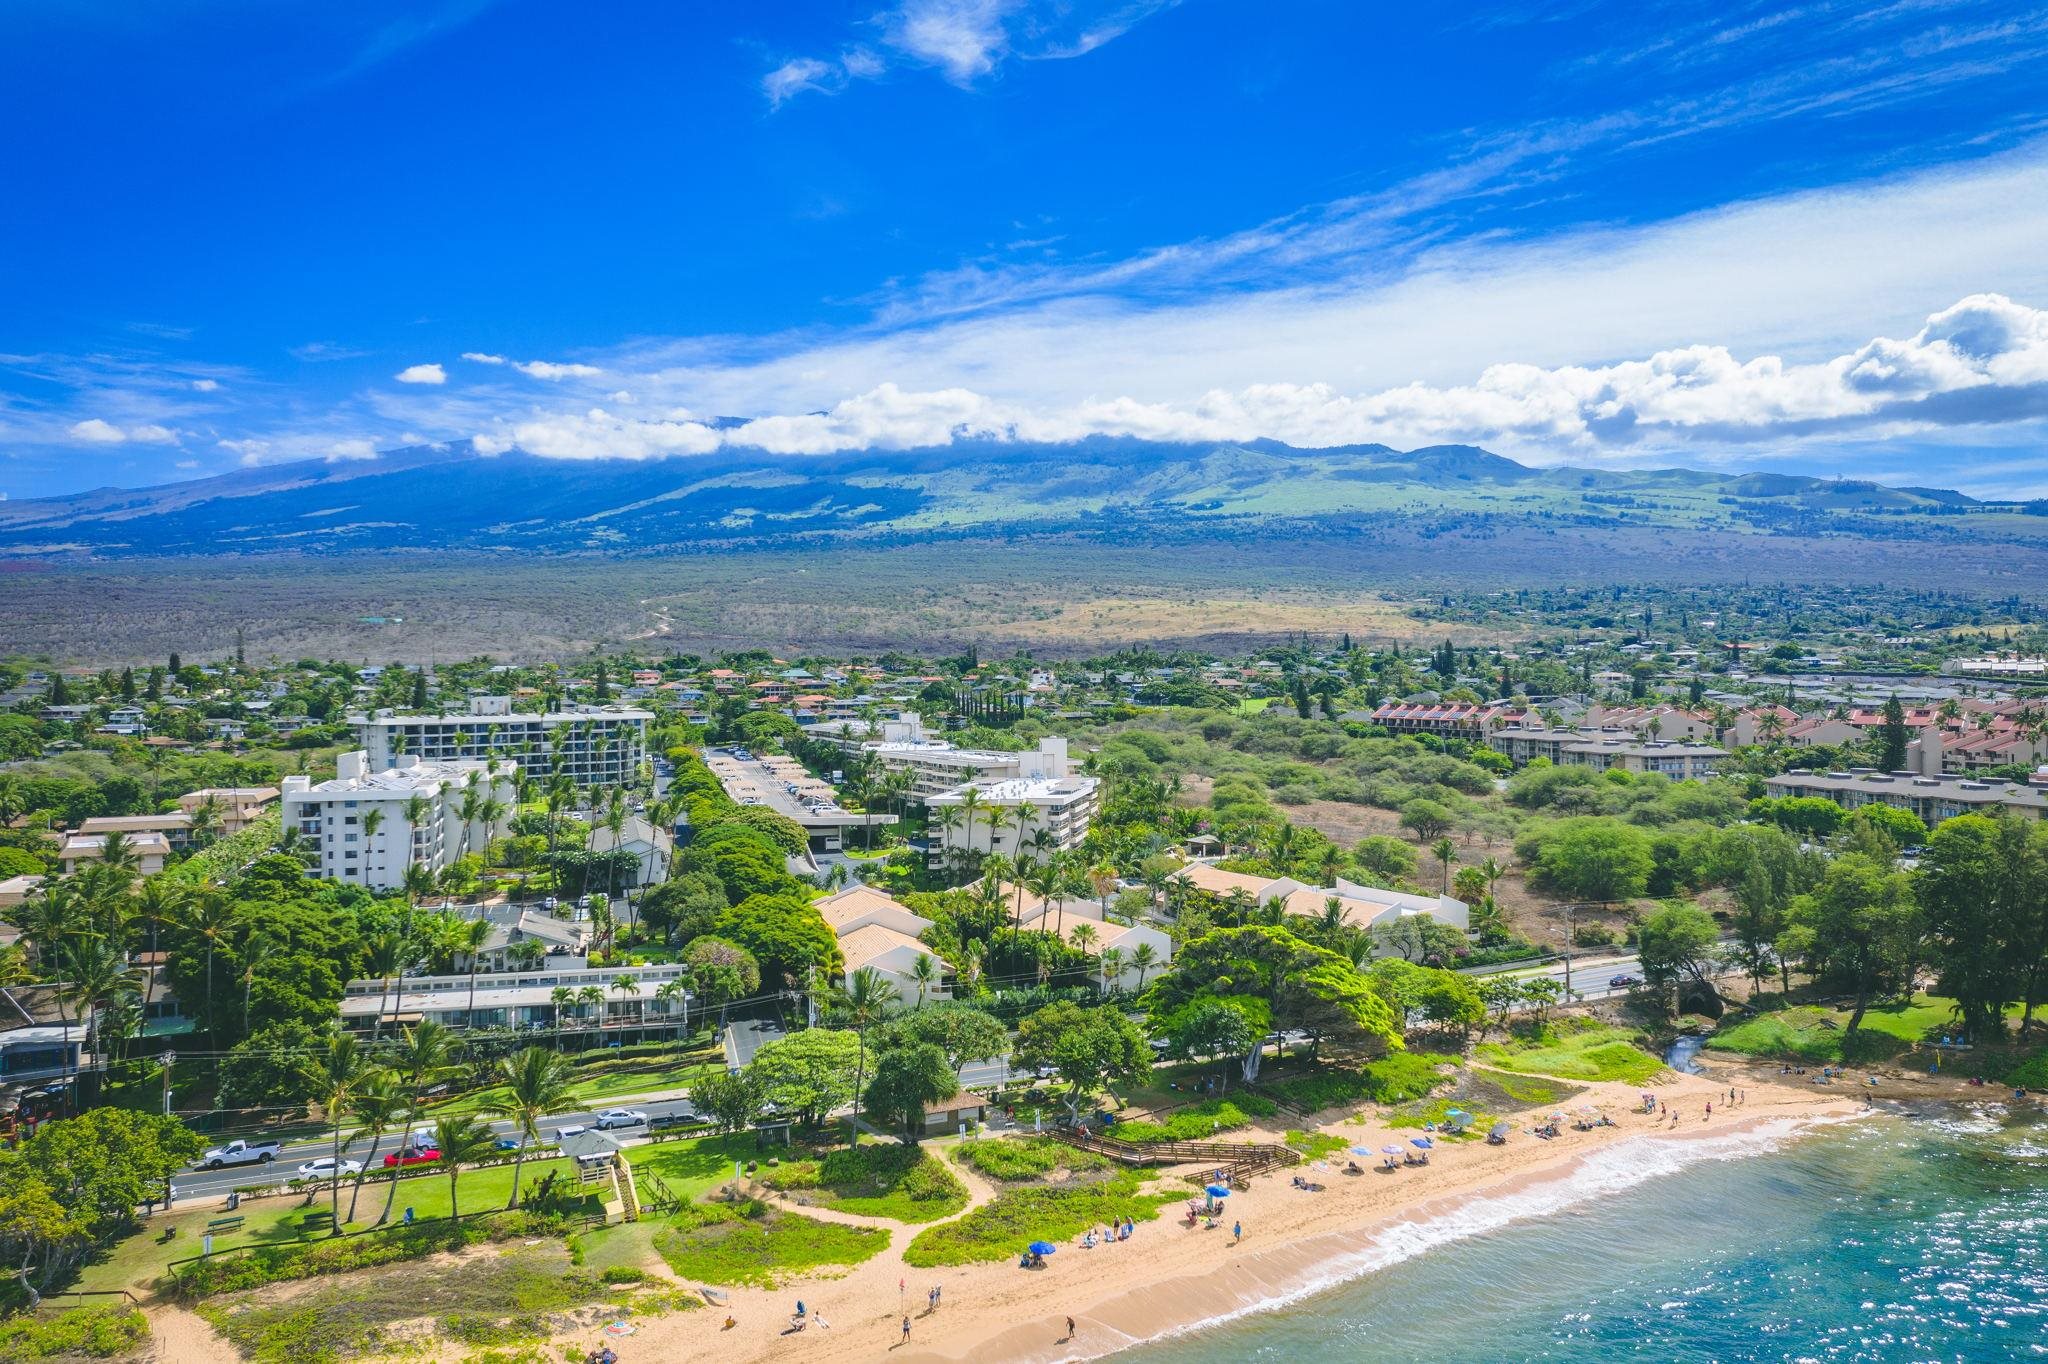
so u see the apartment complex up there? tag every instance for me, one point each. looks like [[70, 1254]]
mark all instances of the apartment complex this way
[[331, 815], [523, 999], [938, 766], [1604, 749], [147, 851], [234, 808], [1061, 805], [595, 745], [1932, 798]]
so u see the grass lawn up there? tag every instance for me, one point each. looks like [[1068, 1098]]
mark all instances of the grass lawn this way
[[1252, 705], [732, 1245], [1813, 1033], [143, 1258], [1574, 1050], [604, 1075], [1002, 1228], [693, 1167], [622, 1245], [876, 1180], [1019, 1160], [1437, 1111]]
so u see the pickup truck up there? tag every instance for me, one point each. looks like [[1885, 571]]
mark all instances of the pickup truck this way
[[238, 1153]]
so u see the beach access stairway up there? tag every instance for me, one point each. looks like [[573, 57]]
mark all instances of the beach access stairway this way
[[1238, 1160]]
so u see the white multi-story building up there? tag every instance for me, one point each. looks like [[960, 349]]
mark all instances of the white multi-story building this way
[[1062, 805], [938, 766], [596, 745], [332, 814]]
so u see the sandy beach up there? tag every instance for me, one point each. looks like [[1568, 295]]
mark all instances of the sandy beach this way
[[1171, 1277]]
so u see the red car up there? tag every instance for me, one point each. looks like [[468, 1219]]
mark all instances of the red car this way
[[411, 1155]]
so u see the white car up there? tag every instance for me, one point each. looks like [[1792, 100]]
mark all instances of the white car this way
[[327, 1167], [620, 1117]]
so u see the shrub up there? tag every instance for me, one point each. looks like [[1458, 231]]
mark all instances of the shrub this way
[[1314, 1145], [1392, 1079], [1000, 1229], [75, 1333], [623, 1274], [2031, 1073], [748, 1243], [1015, 1160]]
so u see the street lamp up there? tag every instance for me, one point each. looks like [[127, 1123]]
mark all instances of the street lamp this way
[[167, 1060]]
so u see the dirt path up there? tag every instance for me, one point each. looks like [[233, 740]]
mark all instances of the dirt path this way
[[182, 1337]]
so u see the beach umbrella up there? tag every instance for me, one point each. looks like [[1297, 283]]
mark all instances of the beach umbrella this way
[[1390, 1150], [1361, 1150], [1424, 1142], [1042, 1247], [1217, 1191], [1500, 1129]]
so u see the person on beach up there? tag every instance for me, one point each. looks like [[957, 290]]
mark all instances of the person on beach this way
[[1070, 1328], [1236, 1232]]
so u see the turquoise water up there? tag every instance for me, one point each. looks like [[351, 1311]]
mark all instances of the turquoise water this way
[[1896, 1238]]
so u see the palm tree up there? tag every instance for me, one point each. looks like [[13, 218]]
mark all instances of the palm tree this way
[[591, 997], [1492, 871], [627, 986], [373, 820], [1143, 958], [470, 938], [461, 1141], [337, 1074], [97, 975], [1110, 967], [1084, 936], [209, 916], [536, 1084], [1445, 852], [385, 959], [256, 949], [924, 973], [668, 992], [865, 999], [379, 1104], [970, 801], [563, 998]]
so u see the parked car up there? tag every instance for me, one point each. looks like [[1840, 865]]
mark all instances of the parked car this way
[[620, 1117], [327, 1167], [573, 1130], [1623, 982], [238, 1153], [677, 1119], [411, 1155]]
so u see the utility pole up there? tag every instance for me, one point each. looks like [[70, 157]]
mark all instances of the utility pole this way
[[167, 1060], [1570, 915]]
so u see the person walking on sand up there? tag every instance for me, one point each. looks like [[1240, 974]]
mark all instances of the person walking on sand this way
[[1236, 1232], [1070, 1328], [906, 1330]]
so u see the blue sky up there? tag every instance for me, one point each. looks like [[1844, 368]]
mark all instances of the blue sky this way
[[237, 232]]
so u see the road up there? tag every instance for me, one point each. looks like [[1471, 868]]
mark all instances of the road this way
[[214, 1183]]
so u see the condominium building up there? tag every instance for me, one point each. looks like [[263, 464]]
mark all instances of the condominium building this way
[[1061, 805], [594, 745], [147, 851], [525, 999], [1604, 749], [234, 808], [332, 815], [937, 766], [1366, 907], [1932, 798]]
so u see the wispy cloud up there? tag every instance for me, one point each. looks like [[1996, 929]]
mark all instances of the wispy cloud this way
[[964, 41], [94, 431], [315, 351]]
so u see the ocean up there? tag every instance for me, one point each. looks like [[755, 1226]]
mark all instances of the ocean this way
[[1890, 1238]]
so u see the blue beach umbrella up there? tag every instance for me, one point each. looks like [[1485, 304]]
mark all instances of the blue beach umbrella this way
[[1042, 1248], [1217, 1191], [1361, 1150], [1424, 1142]]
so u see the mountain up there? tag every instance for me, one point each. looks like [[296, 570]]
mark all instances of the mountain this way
[[435, 498]]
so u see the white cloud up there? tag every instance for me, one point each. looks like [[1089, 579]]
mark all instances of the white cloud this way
[[300, 445], [1983, 360], [422, 374], [187, 464], [547, 369], [479, 357], [598, 434], [206, 385], [964, 40], [95, 431], [799, 74]]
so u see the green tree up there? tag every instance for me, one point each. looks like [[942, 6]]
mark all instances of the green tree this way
[[1602, 860], [1891, 737], [962, 1031], [1092, 1049], [809, 1073], [1980, 889], [866, 998], [907, 1079], [1385, 857], [731, 1100], [461, 1140], [1860, 927], [1217, 1030], [1675, 942], [1426, 819], [378, 1105], [339, 1070], [536, 1082]]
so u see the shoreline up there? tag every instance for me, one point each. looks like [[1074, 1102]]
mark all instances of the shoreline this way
[[1171, 1279]]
